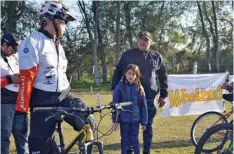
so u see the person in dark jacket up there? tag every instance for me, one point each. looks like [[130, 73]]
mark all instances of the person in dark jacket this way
[[229, 87], [130, 89], [153, 80]]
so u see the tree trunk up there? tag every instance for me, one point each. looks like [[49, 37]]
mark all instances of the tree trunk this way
[[206, 36], [117, 53], [93, 40], [211, 29], [15, 10], [96, 73], [104, 67], [127, 11], [216, 41], [157, 26], [101, 49]]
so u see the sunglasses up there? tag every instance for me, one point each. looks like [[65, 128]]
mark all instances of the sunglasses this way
[[62, 22]]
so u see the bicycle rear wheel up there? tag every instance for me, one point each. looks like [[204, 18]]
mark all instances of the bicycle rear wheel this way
[[204, 122], [217, 139]]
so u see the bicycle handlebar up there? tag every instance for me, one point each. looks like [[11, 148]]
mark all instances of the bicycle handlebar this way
[[90, 110]]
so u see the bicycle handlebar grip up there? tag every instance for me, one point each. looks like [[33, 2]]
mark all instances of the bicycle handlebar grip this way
[[41, 109], [125, 104]]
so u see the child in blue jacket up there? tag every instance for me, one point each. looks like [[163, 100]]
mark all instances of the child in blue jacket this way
[[130, 89]]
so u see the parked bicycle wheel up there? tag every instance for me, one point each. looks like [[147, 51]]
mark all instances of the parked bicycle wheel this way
[[219, 139], [203, 122]]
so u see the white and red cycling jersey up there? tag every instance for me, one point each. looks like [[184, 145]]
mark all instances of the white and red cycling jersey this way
[[9, 66], [42, 65]]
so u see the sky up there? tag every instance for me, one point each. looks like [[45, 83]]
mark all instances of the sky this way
[[69, 3]]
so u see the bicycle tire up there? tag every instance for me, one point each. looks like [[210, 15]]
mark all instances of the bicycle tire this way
[[209, 133], [193, 133]]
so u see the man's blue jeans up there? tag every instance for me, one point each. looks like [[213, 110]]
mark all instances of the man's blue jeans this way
[[17, 125], [148, 133]]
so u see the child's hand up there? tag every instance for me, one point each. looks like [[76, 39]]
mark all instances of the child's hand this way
[[116, 126], [143, 127]]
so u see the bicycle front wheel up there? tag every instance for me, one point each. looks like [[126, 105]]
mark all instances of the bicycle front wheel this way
[[218, 139], [204, 122]]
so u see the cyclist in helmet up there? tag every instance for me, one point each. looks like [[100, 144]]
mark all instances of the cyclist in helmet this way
[[11, 122], [43, 65]]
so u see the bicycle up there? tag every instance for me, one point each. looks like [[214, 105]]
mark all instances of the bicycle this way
[[207, 120], [221, 136], [83, 147]]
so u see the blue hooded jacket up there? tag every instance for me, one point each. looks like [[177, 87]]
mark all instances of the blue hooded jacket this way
[[131, 94]]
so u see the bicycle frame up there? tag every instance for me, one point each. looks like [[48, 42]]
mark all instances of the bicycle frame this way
[[227, 115], [230, 148], [83, 146]]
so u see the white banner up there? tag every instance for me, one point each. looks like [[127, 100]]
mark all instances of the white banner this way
[[194, 94]]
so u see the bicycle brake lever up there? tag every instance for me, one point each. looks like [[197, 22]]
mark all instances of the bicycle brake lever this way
[[129, 111], [119, 109], [53, 116], [57, 117]]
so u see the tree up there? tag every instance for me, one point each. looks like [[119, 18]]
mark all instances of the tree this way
[[117, 52], [11, 13], [182, 31], [216, 38], [206, 36], [93, 40], [101, 45], [95, 57], [127, 10]]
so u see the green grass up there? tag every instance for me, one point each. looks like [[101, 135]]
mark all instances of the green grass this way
[[171, 134], [85, 88]]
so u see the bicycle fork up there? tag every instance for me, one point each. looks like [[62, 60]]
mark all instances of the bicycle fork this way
[[86, 148], [59, 129], [230, 148]]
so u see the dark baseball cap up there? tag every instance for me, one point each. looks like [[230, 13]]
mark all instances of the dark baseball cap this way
[[145, 34], [11, 40]]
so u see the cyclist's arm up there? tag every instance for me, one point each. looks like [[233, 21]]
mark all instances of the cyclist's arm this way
[[5, 80], [8, 78], [228, 86], [28, 66], [231, 86]]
